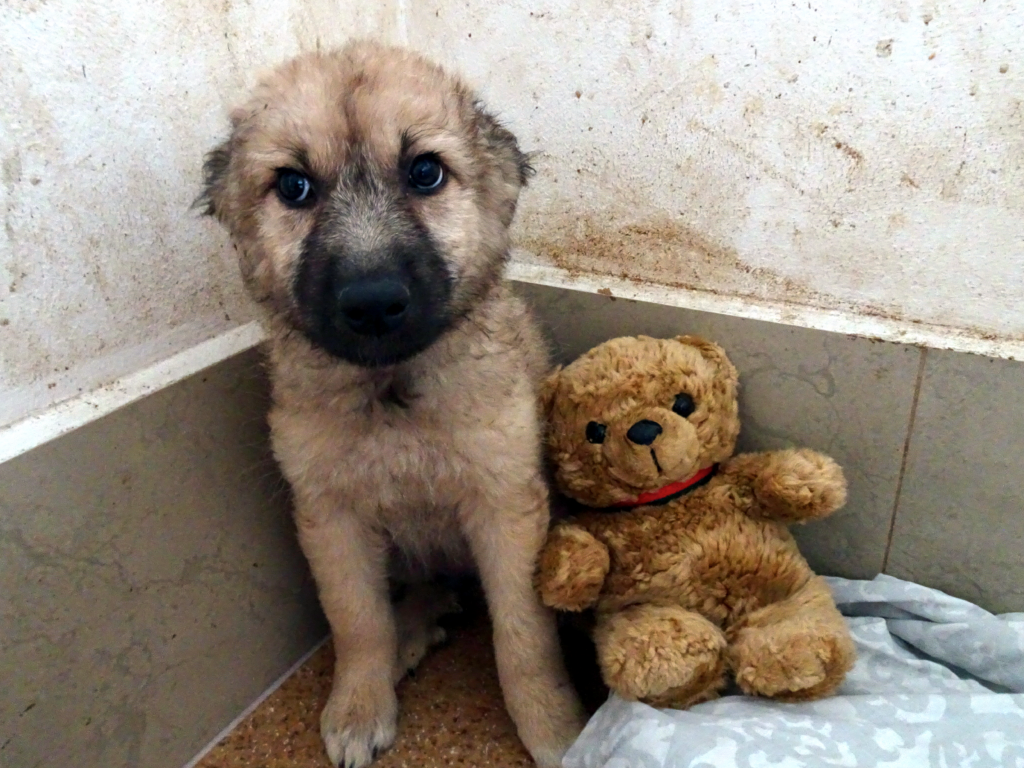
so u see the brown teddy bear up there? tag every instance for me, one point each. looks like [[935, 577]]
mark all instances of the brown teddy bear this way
[[685, 557]]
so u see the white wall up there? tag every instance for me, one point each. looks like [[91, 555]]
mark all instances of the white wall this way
[[855, 165], [106, 109], [850, 164]]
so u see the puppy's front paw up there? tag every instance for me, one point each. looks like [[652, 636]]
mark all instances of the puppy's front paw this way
[[358, 723], [552, 727]]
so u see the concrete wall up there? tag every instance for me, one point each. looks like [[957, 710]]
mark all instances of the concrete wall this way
[[857, 166], [106, 109]]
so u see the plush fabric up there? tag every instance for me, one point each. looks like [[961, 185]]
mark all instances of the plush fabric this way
[[695, 587]]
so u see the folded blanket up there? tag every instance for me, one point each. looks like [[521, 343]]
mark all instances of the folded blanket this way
[[938, 682]]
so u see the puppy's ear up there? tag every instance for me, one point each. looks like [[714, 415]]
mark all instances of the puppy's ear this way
[[503, 146], [215, 172], [216, 165]]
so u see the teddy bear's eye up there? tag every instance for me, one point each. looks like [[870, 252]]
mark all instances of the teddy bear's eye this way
[[684, 405], [595, 432]]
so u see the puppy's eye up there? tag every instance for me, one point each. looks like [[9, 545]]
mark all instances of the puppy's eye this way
[[595, 432], [294, 188], [684, 405], [426, 174]]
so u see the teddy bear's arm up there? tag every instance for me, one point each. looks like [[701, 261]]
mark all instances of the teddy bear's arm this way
[[571, 569], [790, 486]]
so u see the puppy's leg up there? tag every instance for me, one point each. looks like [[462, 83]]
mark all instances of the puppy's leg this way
[[505, 536], [416, 616], [349, 565]]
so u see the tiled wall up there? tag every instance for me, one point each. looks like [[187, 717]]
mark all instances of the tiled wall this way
[[960, 524], [150, 585], [932, 442]]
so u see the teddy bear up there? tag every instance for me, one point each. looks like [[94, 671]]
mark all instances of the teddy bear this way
[[678, 547]]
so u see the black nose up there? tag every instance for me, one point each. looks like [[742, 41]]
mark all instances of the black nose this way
[[374, 306], [644, 432]]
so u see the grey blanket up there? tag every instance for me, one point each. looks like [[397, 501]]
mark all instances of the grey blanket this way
[[938, 682]]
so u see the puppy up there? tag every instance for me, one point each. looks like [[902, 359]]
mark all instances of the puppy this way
[[369, 196]]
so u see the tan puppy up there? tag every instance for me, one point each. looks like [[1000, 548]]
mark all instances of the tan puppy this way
[[369, 195]]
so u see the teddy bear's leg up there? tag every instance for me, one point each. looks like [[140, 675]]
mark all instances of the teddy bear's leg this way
[[794, 650], [661, 654]]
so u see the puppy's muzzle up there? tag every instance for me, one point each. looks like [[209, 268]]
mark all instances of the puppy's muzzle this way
[[373, 306]]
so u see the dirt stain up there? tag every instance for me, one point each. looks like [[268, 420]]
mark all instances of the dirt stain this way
[[897, 221], [663, 252], [769, 169], [666, 253], [10, 170], [850, 152]]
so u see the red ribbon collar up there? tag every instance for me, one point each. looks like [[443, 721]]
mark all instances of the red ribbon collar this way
[[671, 490]]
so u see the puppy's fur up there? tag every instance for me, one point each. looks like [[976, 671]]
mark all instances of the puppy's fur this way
[[423, 440]]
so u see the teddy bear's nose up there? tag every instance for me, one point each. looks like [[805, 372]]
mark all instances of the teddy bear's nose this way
[[644, 432]]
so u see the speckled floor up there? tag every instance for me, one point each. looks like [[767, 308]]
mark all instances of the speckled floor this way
[[452, 714]]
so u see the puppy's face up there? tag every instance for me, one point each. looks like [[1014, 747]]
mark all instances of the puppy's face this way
[[369, 196]]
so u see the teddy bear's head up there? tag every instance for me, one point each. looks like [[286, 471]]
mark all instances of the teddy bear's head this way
[[636, 414]]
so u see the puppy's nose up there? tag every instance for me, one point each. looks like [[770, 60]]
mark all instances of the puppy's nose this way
[[644, 432], [373, 307]]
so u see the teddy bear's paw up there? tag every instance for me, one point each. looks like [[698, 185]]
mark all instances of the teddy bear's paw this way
[[791, 666], [662, 655], [572, 569], [801, 484], [416, 617]]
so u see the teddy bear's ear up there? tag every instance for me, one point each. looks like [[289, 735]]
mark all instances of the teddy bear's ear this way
[[711, 352], [548, 388]]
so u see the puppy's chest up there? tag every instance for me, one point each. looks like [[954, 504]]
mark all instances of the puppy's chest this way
[[388, 443]]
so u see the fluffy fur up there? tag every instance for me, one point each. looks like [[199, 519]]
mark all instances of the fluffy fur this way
[[710, 582], [419, 448]]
